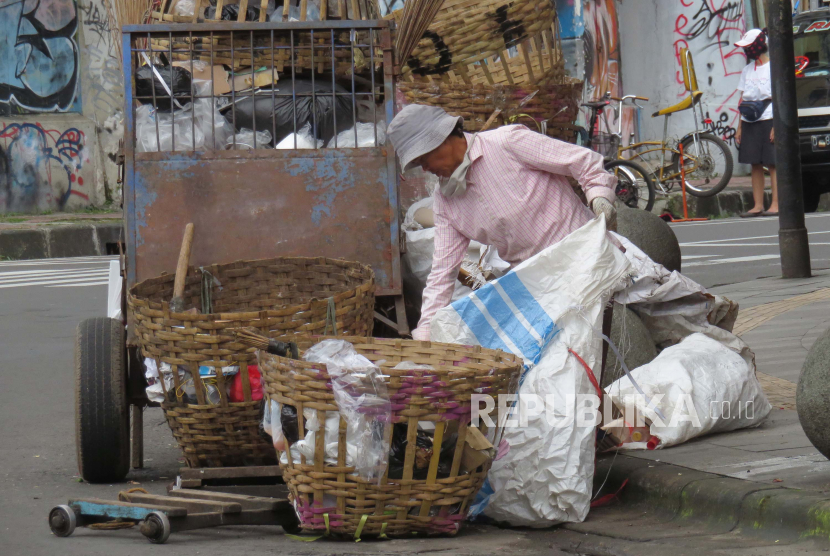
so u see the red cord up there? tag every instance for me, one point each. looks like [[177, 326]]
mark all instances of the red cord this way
[[588, 370]]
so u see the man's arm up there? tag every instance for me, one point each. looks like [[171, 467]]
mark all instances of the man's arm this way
[[450, 248], [558, 157]]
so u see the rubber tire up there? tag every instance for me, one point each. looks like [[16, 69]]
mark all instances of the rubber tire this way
[[102, 418], [610, 165], [727, 174]]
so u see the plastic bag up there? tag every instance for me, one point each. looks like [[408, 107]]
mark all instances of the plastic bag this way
[[279, 111], [190, 134], [304, 140], [365, 136], [245, 140], [236, 392], [151, 373], [424, 449], [184, 7], [361, 396], [177, 79]]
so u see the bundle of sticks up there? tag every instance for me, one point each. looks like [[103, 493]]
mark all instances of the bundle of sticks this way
[[251, 337], [417, 17]]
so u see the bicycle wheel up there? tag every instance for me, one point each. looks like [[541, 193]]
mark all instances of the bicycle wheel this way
[[708, 162], [634, 186]]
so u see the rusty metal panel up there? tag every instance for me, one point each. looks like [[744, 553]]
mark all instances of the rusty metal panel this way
[[260, 204]]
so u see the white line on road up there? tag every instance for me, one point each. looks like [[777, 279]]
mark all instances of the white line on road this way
[[25, 279], [49, 282], [81, 285], [722, 240], [49, 262], [48, 272], [740, 221], [733, 260]]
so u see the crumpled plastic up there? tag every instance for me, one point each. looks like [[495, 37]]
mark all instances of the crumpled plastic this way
[[363, 400], [304, 140], [190, 134], [244, 139], [365, 136]]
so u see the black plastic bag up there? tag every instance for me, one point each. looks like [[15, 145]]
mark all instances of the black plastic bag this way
[[290, 425], [279, 112], [423, 454], [178, 80], [230, 12]]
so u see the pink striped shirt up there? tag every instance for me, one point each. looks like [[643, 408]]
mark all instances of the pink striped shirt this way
[[517, 199]]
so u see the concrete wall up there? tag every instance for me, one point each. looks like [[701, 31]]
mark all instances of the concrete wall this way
[[652, 32], [60, 105]]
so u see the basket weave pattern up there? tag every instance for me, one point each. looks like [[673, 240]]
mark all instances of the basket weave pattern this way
[[332, 497], [279, 297]]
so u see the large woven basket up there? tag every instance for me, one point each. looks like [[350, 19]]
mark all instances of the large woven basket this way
[[333, 498], [279, 297], [475, 103], [467, 32]]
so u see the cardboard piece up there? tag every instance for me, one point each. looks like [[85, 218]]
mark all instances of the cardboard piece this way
[[477, 450], [222, 79]]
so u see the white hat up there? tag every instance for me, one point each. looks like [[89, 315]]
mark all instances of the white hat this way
[[749, 37], [419, 129]]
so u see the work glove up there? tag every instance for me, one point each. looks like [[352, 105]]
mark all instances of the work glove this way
[[601, 205]]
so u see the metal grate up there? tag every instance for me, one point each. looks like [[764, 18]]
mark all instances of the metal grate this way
[[330, 83], [811, 122]]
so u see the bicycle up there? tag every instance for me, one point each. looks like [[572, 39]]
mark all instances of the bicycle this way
[[635, 187]]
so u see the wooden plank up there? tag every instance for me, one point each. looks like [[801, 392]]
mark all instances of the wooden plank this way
[[263, 10], [247, 502], [528, 64], [192, 506], [219, 5], [504, 64], [204, 473], [303, 10], [243, 11], [486, 69], [324, 10], [285, 8]]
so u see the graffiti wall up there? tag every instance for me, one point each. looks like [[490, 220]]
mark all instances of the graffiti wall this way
[[708, 28], [42, 168], [58, 147], [40, 56]]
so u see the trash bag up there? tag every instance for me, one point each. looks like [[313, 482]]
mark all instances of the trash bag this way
[[424, 449], [230, 12], [266, 110], [177, 79], [304, 140], [289, 423]]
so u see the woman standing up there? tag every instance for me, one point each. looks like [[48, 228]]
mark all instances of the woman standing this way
[[755, 135]]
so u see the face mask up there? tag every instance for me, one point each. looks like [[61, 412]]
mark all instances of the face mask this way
[[457, 182]]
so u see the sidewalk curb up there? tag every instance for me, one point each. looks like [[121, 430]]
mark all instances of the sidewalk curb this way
[[724, 204], [679, 493], [73, 240]]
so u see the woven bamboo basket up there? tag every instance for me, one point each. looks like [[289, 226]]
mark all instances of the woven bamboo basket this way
[[332, 497], [471, 31], [475, 103], [216, 48], [278, 297]]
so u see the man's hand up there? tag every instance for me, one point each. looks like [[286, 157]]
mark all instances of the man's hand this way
[[420, 334], [601, 205], [772, 135], [738, 135]]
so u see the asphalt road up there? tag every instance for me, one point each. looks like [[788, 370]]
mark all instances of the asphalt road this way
[[41, 303], [734, 250]]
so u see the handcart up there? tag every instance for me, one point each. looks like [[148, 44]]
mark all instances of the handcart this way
[[337, 198]]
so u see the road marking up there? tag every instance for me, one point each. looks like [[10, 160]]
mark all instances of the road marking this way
[[28, 279], [739, 221], [86, 280], [685, 257], [722, 240], [104, 283], [52, 262], [36, 273], [733, 260], [815, 462]]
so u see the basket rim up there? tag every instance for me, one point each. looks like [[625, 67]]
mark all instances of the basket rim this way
[[134, 298]]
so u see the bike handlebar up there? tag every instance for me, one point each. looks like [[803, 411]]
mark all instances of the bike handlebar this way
[[625, 98]]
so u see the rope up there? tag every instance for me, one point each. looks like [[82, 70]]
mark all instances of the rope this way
[[588, 371]]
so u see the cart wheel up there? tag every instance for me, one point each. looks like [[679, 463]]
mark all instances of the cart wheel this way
[[62, 521], [291, 525], [102, 419], [156, 527]]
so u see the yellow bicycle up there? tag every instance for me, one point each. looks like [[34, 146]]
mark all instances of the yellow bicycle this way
[[706, 157]]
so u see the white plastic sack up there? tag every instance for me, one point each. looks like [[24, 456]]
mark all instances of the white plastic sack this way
[[547, 305], [304, 140], [700, 385], [115, 286]]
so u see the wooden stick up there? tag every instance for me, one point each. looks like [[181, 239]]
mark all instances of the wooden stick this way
[[177, 304]]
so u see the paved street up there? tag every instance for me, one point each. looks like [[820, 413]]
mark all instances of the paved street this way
[[734, 250], [38, 315]]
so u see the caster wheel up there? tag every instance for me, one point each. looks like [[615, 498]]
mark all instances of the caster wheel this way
[[156, 527], [62, 521]]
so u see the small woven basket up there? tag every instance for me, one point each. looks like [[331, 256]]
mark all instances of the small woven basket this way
[[279, 297], [332, 497]]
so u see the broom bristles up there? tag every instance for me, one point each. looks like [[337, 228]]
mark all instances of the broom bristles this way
[[417, 16], [250, 337]]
